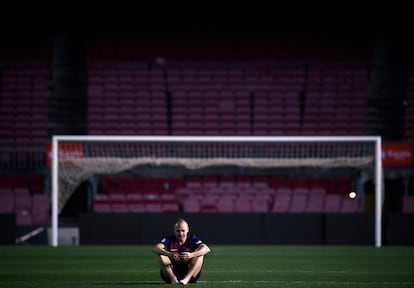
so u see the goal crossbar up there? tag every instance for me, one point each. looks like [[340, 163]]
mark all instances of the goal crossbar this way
[[229, 155]]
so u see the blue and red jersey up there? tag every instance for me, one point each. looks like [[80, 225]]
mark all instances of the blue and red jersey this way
[[190, 245]]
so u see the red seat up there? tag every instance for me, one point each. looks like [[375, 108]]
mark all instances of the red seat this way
[[208, 203], [102, 207], [101, 203], [23, 201], [298, 203], [243, 204], [170, 206], [349, 205], [119, 207], [315, 204], [226, 204], [332, 203], [281, 203], [260, 205], [23, 217], [40, 209], [136, 206], [6, 203], [191, 205], [153, 206]]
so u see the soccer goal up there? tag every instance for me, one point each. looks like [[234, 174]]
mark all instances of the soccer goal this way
[[78, 158]]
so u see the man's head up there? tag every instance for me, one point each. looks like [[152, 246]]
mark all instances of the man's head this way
[[181, 230]]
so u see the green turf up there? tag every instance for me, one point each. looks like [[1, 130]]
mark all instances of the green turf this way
[[226, 266]]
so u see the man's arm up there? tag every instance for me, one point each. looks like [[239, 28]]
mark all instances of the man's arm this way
[[202, 250], [159, 249]]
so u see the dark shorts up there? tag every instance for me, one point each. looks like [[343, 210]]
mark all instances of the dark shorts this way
[[180, 271]]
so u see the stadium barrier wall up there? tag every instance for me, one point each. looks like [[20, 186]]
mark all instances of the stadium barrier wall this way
[[279, 229], [276, 229], [8, 229], [349, 229], [400, 229]]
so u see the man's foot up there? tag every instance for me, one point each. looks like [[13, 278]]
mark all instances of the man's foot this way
[[184, 281], [175, 281]]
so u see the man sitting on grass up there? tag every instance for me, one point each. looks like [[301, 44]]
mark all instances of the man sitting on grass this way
[[180, 255]]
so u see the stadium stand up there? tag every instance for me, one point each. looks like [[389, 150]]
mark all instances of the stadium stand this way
[[137, 194], [227, 98], [409, 111], [23, 114], [25, 197], [223, 194], [141, 96]]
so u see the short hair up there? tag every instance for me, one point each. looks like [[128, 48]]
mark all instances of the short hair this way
[[181, 220]]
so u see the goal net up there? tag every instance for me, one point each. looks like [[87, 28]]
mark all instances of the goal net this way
[[78, 158]]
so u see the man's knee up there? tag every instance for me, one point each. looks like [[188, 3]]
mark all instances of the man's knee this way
[[164, 260], [196, 263], [197, 260]]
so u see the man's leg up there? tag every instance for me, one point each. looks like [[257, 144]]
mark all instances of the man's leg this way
[[194, 269], [167, 268]]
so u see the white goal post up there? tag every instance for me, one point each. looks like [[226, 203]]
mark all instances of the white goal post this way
[[194, 152]]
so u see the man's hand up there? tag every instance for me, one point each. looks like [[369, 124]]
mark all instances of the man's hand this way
[[175, 256], [185, 256]]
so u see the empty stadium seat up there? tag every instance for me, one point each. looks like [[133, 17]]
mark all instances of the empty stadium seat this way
[[332, 203], [349, 205], [281, 203], [191, 205], [225, 205], [6, 203], [298, 203], [260, 205], [40, 209], [243, 204], [316, 200]]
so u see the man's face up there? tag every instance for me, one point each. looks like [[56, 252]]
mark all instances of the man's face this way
[[181, 231]]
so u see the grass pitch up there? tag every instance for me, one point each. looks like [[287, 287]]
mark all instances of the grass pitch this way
[[225, 266]]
